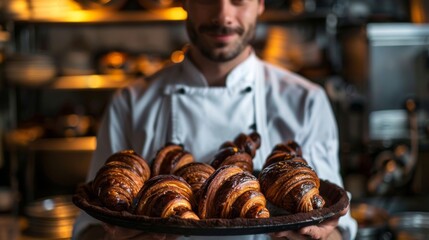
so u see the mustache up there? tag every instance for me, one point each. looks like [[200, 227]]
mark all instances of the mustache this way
[[221, 30]]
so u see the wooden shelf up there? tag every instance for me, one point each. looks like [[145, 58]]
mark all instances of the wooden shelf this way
[[81, 82], [64, 144], [176, 14], [283, 16]]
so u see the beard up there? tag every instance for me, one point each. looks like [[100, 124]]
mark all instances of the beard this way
[[220, 52]]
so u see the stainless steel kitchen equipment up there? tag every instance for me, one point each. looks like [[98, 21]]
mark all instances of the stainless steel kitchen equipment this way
[[398, 81], [398, 70], [410, 225]]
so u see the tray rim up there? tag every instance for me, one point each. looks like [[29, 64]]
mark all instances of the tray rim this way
[[215, 227]]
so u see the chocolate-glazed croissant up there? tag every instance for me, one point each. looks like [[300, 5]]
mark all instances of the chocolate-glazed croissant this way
[[119, 180], [165, 196], [284, 152], [292, 185], [231, 192], [248, 143], [291, 147], [195, 174], [240, 152], [170, 158]]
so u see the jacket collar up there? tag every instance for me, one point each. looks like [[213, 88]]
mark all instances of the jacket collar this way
[[245, 72]]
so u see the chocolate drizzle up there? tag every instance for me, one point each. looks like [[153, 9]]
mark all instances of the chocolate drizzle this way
[[240, 152], [224, 194]]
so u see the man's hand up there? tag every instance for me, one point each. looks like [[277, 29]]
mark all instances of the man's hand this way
[[117, 233], [324, 231]]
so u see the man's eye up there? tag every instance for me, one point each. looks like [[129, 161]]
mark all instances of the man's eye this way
[[239, 2]]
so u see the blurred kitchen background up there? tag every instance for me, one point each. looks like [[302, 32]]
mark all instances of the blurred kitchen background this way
[[60, 62]]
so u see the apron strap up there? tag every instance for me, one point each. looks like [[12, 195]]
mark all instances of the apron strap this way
[[162, 127], [261, 117]]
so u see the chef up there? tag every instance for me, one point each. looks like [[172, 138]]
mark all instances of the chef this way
[[221, 89]]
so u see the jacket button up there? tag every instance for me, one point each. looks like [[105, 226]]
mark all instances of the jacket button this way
[[181, 91], [247, 90]]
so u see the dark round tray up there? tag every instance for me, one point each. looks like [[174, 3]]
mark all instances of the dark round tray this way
[[336, 200]]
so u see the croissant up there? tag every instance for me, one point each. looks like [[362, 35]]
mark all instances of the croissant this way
[[248, 143], [240, 152], [165, 196], [290, 146], [231, 192], [284, 152], [195, 174], [119, 180], [170, 158], [292, 185]]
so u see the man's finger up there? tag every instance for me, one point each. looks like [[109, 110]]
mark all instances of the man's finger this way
[[312, 232]]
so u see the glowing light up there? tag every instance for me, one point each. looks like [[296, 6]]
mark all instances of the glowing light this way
[[94, 81], [390, 166], [297, 6], [48, 204], [177, 56], [417, 12], [174, 13], [116, 59]]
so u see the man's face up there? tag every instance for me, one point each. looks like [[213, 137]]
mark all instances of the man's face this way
[[221, 29]]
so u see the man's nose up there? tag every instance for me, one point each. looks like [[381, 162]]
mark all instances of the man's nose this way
[[223, 12]]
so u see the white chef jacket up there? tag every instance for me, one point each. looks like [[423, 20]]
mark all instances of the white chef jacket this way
[[176, 105]]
